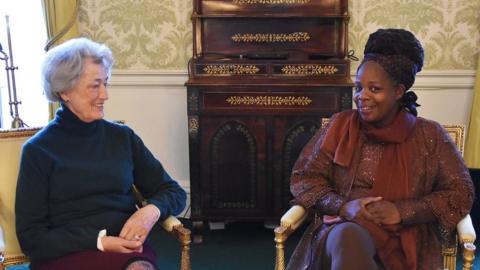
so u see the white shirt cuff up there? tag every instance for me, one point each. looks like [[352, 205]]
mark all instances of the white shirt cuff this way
[[159, 213], [101, 234]]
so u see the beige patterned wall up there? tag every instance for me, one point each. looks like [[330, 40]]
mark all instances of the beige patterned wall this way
[[156, 34], [448, 29], [143, 34]]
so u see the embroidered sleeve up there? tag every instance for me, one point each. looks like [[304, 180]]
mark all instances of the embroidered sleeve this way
[[309, 182], [414, 211], [331, 203], [453, 194]]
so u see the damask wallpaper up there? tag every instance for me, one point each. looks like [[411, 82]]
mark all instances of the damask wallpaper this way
[[143, 34], [448, 29], [157, 34]]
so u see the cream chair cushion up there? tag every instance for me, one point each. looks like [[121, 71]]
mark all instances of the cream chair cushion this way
[[10, 149]]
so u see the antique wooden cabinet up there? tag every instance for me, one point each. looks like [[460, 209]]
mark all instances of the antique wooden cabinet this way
[[262, 75]]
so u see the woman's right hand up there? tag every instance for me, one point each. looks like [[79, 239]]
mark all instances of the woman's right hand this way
[[118, 244], [357, 209]]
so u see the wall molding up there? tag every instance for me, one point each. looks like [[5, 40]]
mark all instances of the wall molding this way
[[445, 80], [148, 78], [425, 80]]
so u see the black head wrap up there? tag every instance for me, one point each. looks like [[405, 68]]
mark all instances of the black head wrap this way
[[401, 56]]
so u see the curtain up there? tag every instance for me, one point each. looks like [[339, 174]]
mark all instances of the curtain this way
[[62, 24], [472, 148]]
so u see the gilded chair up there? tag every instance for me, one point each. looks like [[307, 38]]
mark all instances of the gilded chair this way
[[296, 215], [10, 253]]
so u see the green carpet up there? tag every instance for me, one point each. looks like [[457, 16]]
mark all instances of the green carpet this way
[[241, 245]]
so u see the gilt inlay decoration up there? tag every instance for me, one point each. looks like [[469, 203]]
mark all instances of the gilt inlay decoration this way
[[269, 100], [193, 126], [230, 69], [271, 37], [309, 70], [270, 2]]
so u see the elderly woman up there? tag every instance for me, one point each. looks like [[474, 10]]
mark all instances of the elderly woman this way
[[74, 204], [391, 186]]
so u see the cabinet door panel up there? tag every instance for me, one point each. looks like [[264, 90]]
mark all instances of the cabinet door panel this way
[[233, 166], [291, 135]]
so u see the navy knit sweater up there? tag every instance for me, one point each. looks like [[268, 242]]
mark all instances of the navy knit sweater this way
[[76, 178]]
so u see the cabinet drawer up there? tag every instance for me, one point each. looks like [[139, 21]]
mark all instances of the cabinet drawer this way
[[232, 36], [279, 69], [317, 7], [271, 102]]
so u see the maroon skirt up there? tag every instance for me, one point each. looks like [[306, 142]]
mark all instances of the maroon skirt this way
[[97, 260]]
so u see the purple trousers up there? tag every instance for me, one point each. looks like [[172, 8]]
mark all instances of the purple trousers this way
[[97, 260]]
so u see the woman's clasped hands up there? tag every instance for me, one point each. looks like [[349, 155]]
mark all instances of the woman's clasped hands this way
[[134, 231], [374, 209]]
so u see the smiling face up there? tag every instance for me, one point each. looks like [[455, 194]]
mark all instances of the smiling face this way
[[87, 97], [376, 95]]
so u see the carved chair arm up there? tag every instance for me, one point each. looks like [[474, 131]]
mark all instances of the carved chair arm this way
[[466, 237], [289, 222], [183, 235], [294, 217], [465, 230]]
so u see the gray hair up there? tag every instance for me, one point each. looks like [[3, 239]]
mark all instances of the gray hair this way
[[63, 65]]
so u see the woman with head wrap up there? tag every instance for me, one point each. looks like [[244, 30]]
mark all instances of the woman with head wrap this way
[[389, 186]]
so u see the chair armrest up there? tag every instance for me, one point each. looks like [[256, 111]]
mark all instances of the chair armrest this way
[[169, 223], [466, 237], [175, 227], [465, 230], [2, 241], [294, 217], [183, 235], [289, 222]]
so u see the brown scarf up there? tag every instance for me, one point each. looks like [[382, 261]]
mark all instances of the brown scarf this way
[[395, 247]]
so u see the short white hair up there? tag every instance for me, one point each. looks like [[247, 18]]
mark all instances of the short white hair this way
[[63, 64]]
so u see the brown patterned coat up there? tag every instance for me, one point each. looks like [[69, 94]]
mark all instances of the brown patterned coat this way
[[443, 191]]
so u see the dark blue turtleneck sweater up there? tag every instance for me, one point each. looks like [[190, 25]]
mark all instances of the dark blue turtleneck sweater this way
[[76, 178]]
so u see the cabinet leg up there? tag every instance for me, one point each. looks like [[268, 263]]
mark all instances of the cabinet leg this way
[[197, 232]]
